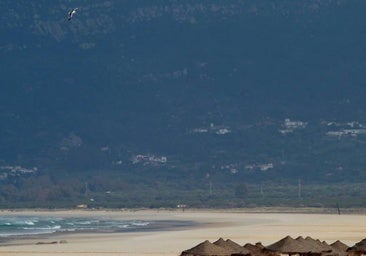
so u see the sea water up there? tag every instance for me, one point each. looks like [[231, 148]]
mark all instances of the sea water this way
[[37, 225]]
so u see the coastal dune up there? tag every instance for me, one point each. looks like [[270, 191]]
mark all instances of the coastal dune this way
[[238, 225]]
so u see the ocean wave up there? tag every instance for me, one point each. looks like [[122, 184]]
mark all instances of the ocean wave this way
[[29, 222], [140, 223], [44, 228], [32, 225]]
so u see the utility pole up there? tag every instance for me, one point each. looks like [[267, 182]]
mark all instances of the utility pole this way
[[299, 189], [86, 189], [262, 194]]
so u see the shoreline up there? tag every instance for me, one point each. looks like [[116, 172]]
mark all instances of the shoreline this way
[[239, 225], [155, 227], [157, 224], [277, 209]]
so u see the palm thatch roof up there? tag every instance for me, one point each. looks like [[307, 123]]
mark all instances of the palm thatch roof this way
[[288, 245], [300, 239], [338, 249], [325, 245], [206, 249], [232, 246], [339, 246], [220, 242], [316, 246], [313, 246], [256, 249], [306, 244], [235, 245], [358, 247]]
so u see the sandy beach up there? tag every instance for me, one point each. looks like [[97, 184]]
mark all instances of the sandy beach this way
[[238, 225]]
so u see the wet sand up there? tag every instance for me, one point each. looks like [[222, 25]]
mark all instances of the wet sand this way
[[240, 226]]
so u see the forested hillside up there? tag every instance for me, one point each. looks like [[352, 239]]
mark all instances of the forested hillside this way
[[208, 103]]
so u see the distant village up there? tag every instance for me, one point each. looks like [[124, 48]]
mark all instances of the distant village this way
[[353, 128], [287, 126], [13, 171]]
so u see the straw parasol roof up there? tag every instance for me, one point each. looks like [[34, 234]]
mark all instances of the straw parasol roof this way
[[206, 249], [315, 246], [231, 246], [338, 249], [256, 249], [238, 246], [288, 245], [358, 247], [222, 243], [302, 241], [339, 246], [325, 245]]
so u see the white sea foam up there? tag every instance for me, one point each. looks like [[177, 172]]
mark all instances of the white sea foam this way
[[140, 223], [32, 225], [29, 222], [44, 228]]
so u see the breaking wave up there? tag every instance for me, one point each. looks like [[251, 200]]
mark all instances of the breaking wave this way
[[33, 225]]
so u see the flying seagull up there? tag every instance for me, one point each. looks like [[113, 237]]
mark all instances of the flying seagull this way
[[71, 13]]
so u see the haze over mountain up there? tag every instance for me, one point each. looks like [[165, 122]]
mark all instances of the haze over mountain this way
[[223, 92]]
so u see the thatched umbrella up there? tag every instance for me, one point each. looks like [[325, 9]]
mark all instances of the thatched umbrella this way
[[339, 246], [306, 244], [256, 249], [359, 248], [206, 249], [222, 243], [240, 248], [338, 249], [315, 246], [300, 239], [324, 245], [288, 245], [231, 246]]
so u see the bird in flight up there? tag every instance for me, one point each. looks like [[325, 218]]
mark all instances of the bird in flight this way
[[71, 13]]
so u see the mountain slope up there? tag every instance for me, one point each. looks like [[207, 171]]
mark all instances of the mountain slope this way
[[187, 88]]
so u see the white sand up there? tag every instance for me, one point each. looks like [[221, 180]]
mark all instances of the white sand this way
[[241, 227]]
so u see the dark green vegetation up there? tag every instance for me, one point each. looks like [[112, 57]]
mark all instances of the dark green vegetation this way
[[159, 103]]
